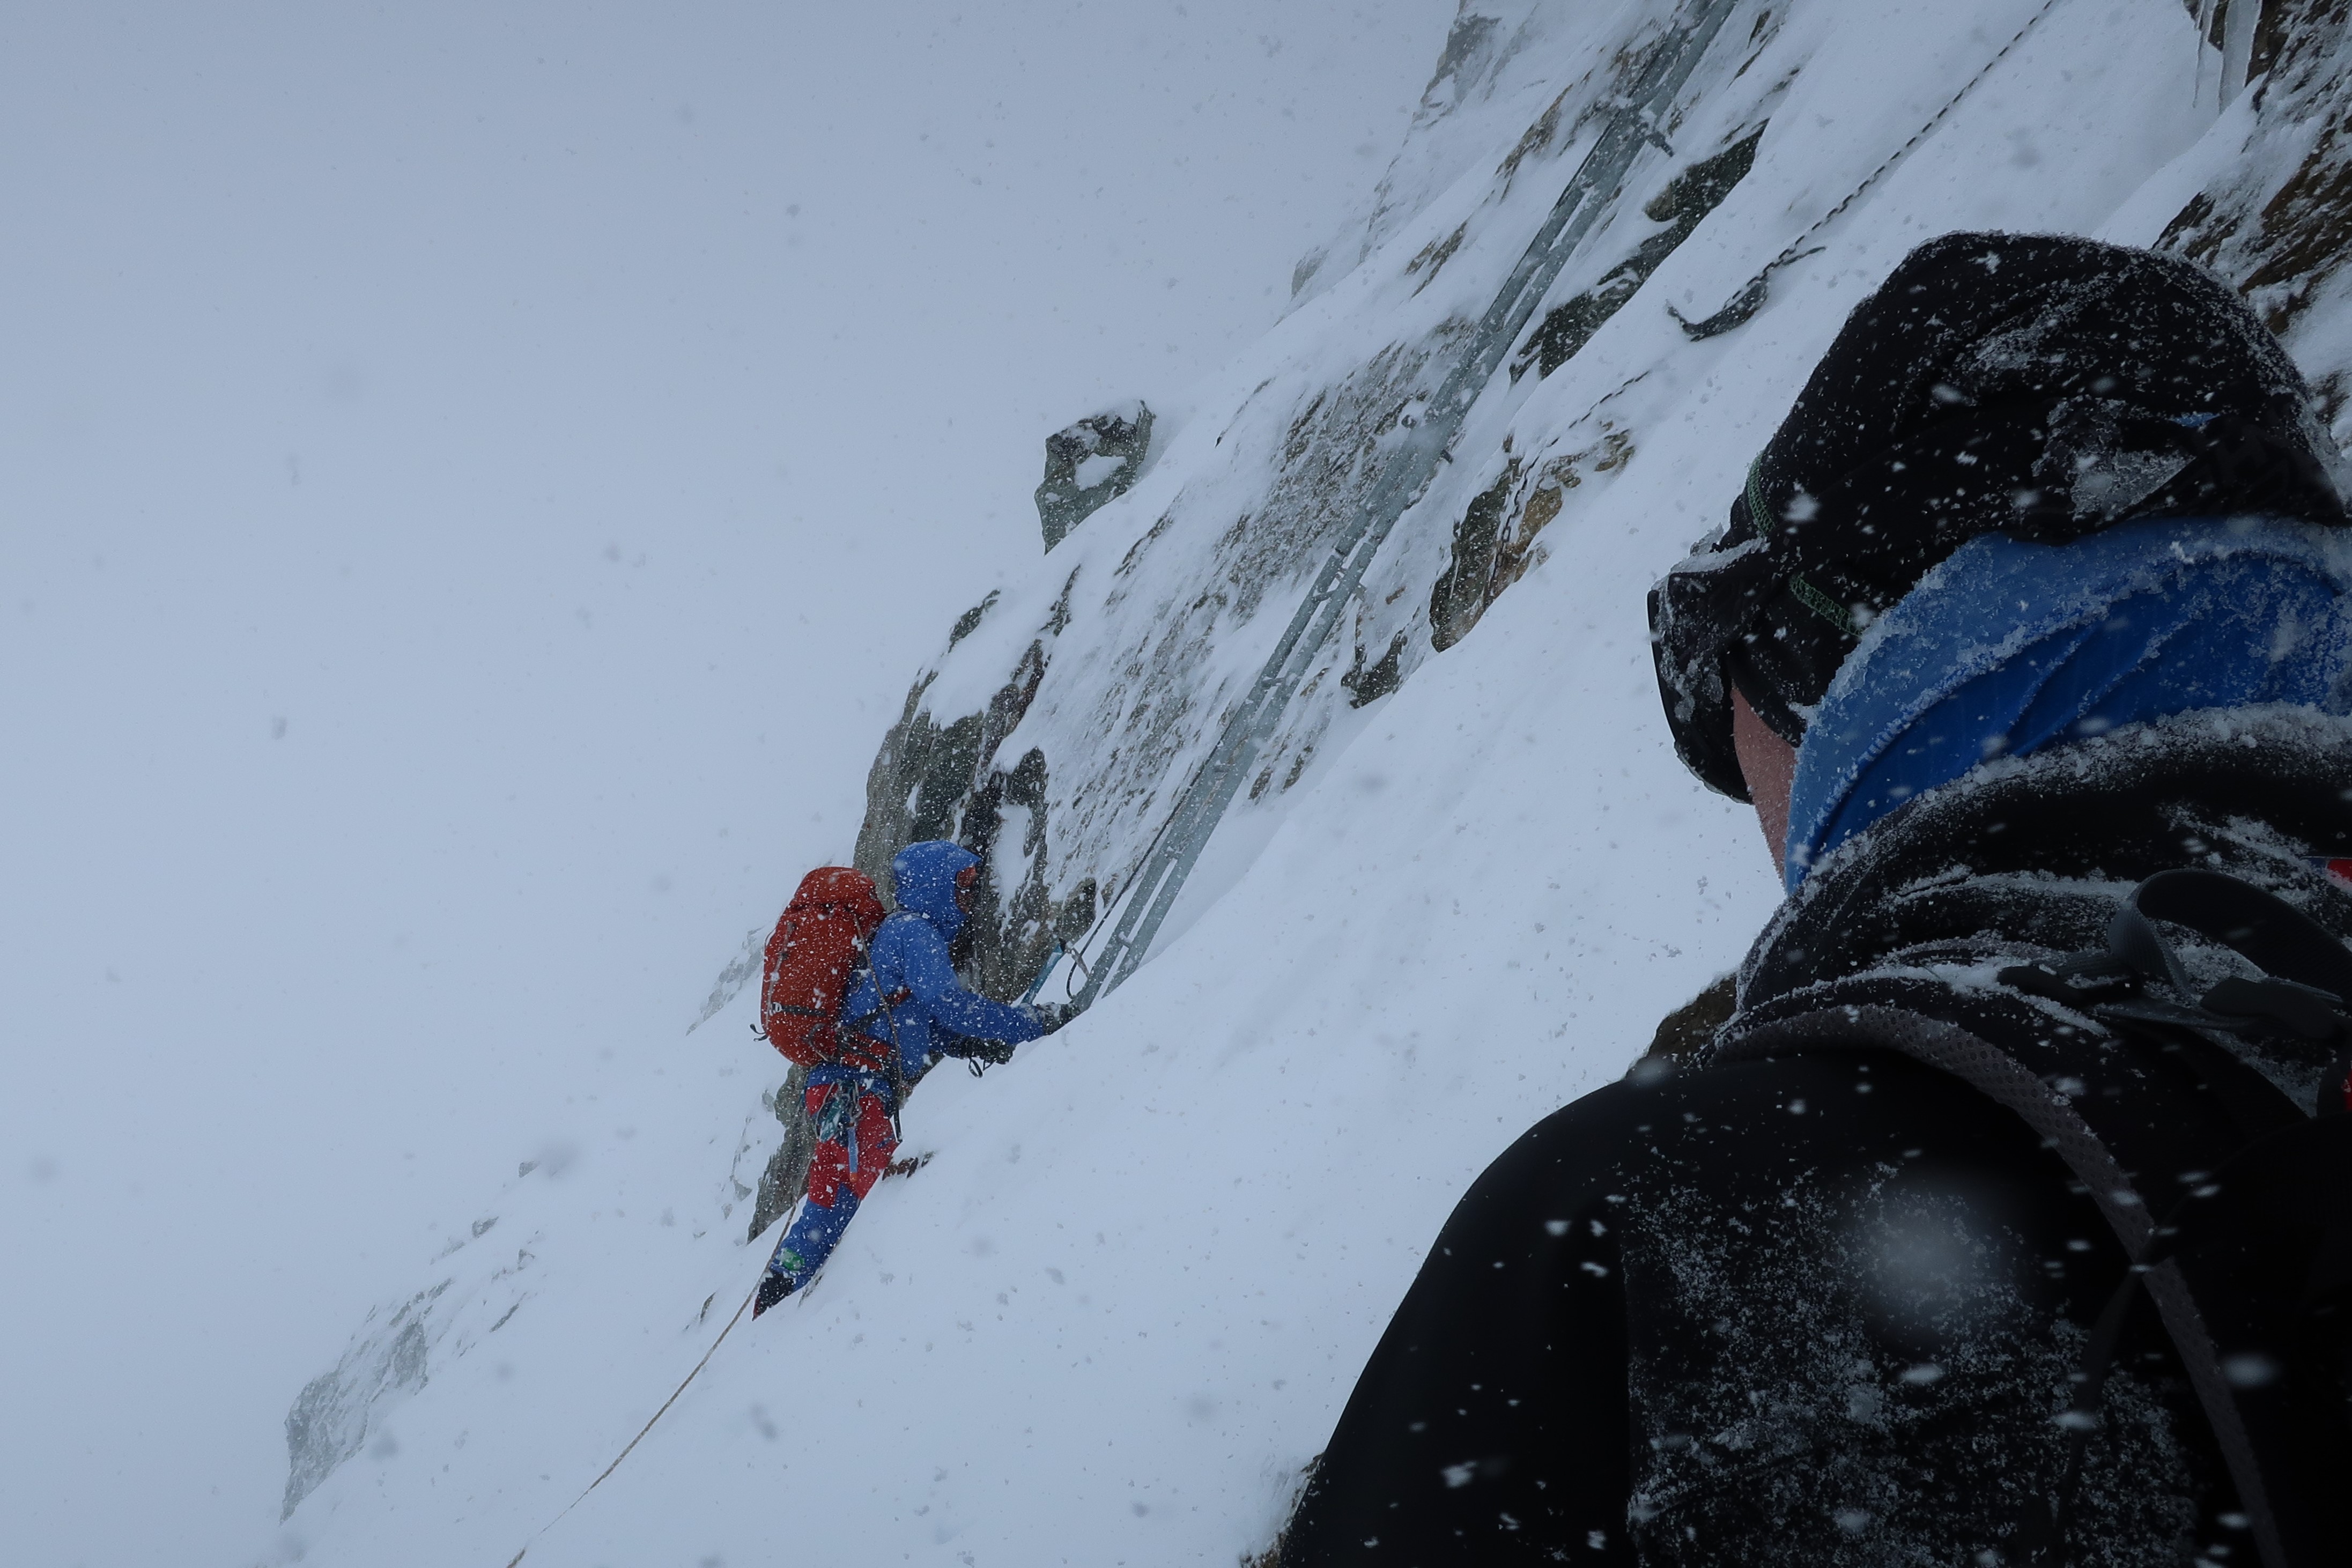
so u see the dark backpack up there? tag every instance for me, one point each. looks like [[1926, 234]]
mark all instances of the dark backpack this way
[[2234, 1205], [812, 960]]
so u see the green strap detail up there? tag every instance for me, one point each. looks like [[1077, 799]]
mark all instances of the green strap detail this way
[[1813, 598], [1822, 605], [1756, 512]]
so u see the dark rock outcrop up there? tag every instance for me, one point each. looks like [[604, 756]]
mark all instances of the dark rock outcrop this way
[[786, 1177], [2279, 224], [1495, 544], [1687, 198], [335, 1412], [1093, 462], [935, 779]]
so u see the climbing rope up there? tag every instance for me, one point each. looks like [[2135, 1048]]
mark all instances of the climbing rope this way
[[640, 1438], [1743, 305]]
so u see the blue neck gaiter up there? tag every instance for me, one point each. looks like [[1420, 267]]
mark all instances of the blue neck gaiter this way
[[2008, 648]]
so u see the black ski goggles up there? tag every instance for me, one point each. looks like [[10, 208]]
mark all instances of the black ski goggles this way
[[1734, 616]]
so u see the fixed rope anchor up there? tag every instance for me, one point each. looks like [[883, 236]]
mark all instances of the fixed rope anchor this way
[[1742, 306]]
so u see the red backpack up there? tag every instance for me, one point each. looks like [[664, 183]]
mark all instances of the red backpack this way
[[813, 958]]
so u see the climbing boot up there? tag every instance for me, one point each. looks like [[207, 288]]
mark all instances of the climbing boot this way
[[774, 1286]]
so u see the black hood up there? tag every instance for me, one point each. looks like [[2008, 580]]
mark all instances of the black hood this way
[[2041, 387]]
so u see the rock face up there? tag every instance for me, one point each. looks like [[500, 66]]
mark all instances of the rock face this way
[[478, 1287], [1096, 460], [1495, 544], [1055, 736], [334, 1413], [1058, 734], [939, 779], [2277, 221], [1687, 198]]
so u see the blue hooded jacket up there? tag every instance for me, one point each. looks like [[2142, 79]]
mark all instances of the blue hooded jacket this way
[[909, 955]]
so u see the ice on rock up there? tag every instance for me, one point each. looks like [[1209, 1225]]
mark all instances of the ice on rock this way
[[333, 1415]]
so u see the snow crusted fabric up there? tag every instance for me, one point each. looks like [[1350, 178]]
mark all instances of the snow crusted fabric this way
[[2142, 622], [923, 877], [2037, 385], [910, 957]]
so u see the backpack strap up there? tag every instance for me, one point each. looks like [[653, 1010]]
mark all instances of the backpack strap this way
[[886, 1003], [898, 998], [2281, 940], [2251, 1275], [1999, 1077], [2305, 990]]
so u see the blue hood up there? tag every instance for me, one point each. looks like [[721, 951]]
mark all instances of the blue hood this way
[[923, 879], [2008, 647]]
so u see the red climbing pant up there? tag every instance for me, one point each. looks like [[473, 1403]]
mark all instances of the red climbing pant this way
[[854, 1141]]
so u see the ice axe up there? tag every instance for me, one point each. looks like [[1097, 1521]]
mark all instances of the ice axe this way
[[1044, 975]]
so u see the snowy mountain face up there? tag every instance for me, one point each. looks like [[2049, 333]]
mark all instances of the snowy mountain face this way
[[1119, 1307]]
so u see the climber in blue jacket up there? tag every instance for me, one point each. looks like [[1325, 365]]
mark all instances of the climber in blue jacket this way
[[929, 1012], [911, 1008]]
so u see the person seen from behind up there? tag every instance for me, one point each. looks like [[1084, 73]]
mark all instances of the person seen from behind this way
[[2006, 1220]]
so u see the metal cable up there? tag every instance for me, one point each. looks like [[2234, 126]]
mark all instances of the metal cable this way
[[1412, 464]]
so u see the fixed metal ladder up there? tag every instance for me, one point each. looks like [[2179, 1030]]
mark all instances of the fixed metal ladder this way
[[1412, 461]]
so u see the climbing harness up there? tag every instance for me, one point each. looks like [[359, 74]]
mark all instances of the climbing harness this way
[[1425, 439], [1743, 305]]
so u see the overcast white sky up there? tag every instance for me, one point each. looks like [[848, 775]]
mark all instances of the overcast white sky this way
[[474, 483]]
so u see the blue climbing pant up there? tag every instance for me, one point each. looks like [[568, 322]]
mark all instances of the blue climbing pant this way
[[811, 1238]]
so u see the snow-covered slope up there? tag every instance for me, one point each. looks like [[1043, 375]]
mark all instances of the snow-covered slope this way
[[1119, 1309]]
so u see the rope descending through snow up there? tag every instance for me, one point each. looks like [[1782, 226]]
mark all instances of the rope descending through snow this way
[[1740, 306], [640, 1438]]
